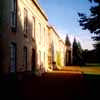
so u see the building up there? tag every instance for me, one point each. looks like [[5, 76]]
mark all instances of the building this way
[[57, 48], [27, 41], [24, 29]]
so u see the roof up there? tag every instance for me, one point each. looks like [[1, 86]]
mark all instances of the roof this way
[[56, 34], [40, 9]]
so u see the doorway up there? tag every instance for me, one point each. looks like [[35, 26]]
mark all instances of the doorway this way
[[33, 60]]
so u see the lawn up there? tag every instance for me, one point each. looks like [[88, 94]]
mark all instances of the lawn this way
[[91, 69], [92, 65], [88, 69]]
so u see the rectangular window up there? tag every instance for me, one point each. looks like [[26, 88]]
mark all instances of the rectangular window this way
[[13, 16], [39, 33], [33, 28], [44, 59], [13, 19], [13, 5], [25, 57], [25, 21], [44, 38], [13, 57], [39, 58]]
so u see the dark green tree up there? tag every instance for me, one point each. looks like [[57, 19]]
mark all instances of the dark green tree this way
[[92, 23], [75, 52], [84, 56], [97, 49], [67, 41], [80, 51], [68, 53]]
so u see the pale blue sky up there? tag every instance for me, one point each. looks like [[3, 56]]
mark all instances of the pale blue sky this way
[[63, 15]]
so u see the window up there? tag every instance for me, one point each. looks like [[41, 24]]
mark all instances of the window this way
[[13, 16], [33, 28], [44, 58], [39, 58], [13, 19], [13, 57], [44, 38], [25, 21], [39, 33], [13, 5], [25, 57]]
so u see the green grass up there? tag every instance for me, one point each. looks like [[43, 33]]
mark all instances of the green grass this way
[[92, 65], [91, 70]]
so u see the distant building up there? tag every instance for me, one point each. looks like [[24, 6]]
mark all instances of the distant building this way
[[28, 41], [57, 48]]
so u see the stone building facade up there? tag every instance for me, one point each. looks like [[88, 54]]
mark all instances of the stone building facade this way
[[57, 47], [28, 41]]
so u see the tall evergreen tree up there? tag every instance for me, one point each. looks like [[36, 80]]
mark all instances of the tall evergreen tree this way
[[80, 57], [67, 41], [68, 53], [75, 52]]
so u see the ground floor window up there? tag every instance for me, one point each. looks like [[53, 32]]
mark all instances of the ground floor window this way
[[13, 57], [25, 57], [44, 57], [33, 59]]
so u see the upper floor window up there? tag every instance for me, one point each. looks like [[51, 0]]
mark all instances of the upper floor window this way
[[25, 20], [13, 20], [33, 28], [44, 58], [39, 33], [13, 5], [13, 16], [44, 37]]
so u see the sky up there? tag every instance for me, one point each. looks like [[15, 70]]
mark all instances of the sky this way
[[62, 14]]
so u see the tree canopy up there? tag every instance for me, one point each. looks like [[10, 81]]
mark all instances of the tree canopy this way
[[77, 53], [92, 22]]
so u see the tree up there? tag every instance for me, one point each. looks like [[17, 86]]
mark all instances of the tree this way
[[80, 51], [97, 49], [67, 42], [75, 52], [67, 54], [92, 22], [84, 56]]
